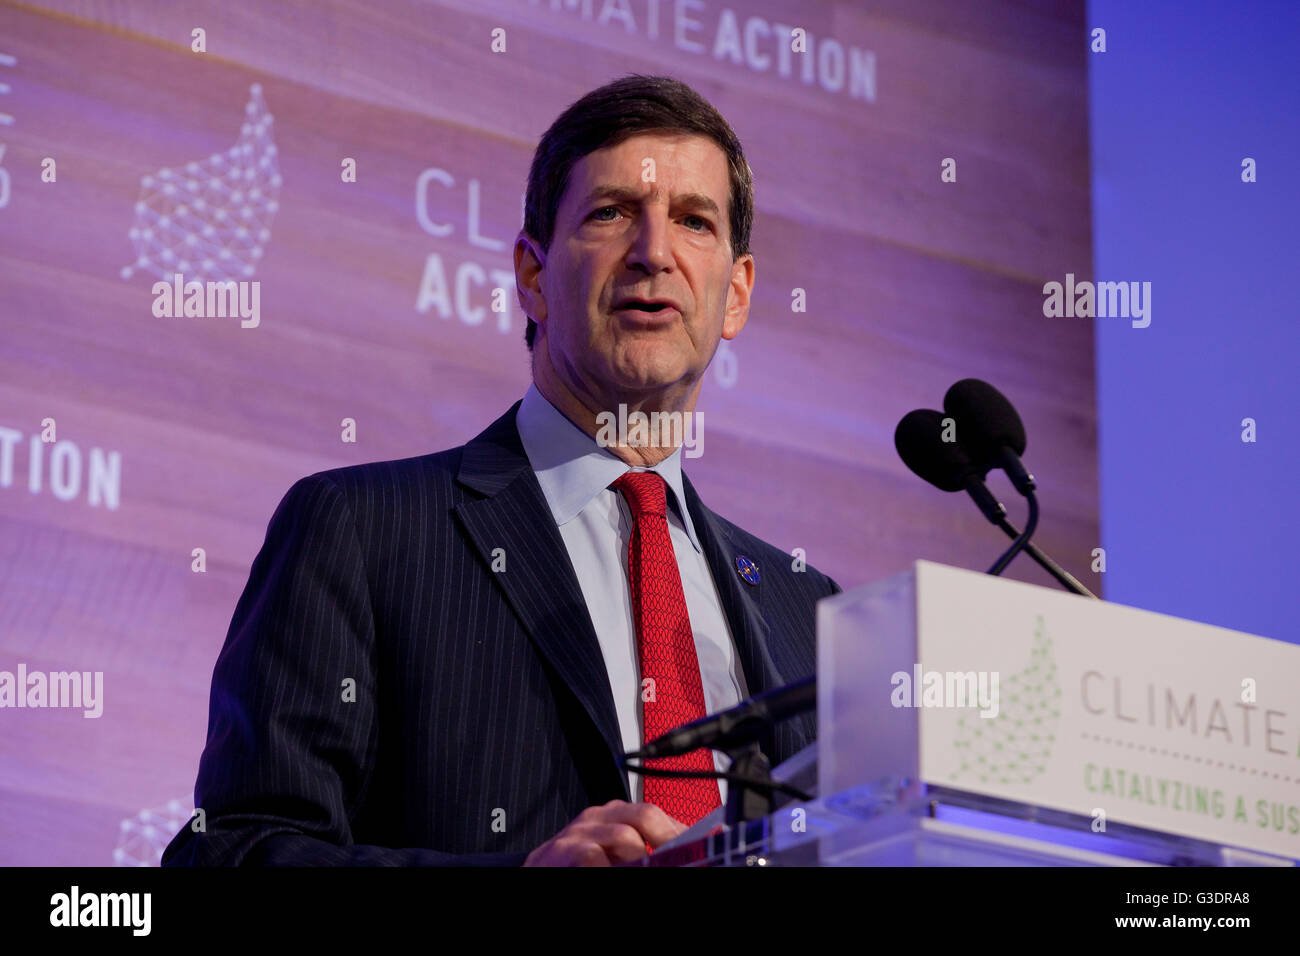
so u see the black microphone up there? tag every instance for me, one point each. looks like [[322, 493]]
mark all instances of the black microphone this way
[[737, 726], [990, 428], [944, 463], [920, 440]]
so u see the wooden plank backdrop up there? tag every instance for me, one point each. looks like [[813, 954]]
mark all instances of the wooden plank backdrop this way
[[911, 284]]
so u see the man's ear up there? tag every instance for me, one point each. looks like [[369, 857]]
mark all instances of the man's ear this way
[[530, 260], [738, 293]]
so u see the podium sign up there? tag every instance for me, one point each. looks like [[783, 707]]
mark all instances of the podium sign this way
[[1043, 698]]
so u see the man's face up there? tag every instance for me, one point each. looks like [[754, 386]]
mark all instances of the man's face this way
[[639, 283]]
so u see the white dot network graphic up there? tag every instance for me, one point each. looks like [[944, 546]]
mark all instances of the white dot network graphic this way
[[142, 838], [210, 220]]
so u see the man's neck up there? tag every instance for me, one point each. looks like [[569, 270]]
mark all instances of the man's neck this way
[[582, 410]]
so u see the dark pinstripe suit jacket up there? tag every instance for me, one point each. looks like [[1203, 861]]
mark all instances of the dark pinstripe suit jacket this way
[[483, 719]]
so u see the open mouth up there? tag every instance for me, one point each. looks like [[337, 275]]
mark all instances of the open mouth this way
[[643, 305]]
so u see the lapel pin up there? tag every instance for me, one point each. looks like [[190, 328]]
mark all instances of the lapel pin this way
[[747, 568]]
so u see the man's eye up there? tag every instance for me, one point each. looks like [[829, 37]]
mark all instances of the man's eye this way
[[703, 223], [596, 214]]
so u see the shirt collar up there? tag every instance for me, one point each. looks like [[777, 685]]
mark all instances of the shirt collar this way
[[572, 469]]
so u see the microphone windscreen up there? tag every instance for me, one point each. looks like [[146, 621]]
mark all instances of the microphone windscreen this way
[[985, 419], [919, 440]]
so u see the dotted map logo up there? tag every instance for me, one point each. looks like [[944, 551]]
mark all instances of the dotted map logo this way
[[142, 838], [1014, 746], [210, 220]]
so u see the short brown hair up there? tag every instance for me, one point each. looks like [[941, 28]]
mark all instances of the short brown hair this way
[[615, 112]]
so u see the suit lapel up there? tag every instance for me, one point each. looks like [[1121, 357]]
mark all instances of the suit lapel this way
[[759, 648], [748, 629], [540, 582], [543, 588]]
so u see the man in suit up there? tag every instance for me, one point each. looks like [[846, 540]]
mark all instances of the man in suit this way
[[439, 660]]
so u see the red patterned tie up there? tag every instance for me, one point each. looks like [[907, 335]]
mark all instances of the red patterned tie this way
[[666, 646]]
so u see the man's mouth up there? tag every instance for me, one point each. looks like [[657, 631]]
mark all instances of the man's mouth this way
[[647, 306]]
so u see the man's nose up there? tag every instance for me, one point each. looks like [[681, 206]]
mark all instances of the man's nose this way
[[651, 248]]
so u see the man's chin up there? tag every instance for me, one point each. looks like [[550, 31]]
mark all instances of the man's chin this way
[[639, 380]]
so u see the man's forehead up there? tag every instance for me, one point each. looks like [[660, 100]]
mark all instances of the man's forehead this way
[[653, 166]]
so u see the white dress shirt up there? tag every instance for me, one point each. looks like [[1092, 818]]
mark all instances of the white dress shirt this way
[[596, 524]]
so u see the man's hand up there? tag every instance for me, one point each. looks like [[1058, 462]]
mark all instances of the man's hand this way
[[602, 836]]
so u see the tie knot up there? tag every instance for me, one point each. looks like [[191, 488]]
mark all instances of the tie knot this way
[[645, 492]]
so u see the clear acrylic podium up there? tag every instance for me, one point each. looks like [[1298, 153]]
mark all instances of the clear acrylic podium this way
[[901, 823], [883, 794]]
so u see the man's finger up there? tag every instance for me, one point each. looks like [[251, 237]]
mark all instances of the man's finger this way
[[620, 842], [655, 826]]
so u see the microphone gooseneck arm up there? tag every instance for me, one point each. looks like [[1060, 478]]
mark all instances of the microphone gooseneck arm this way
[[1063, 577], [1019, 544], [996, 512], [1010, 462]]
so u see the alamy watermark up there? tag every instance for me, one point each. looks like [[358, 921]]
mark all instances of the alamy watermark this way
[[654, 430], [946, 689], [209, 300], [1102, 300], [130, 910], [82, 689]]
